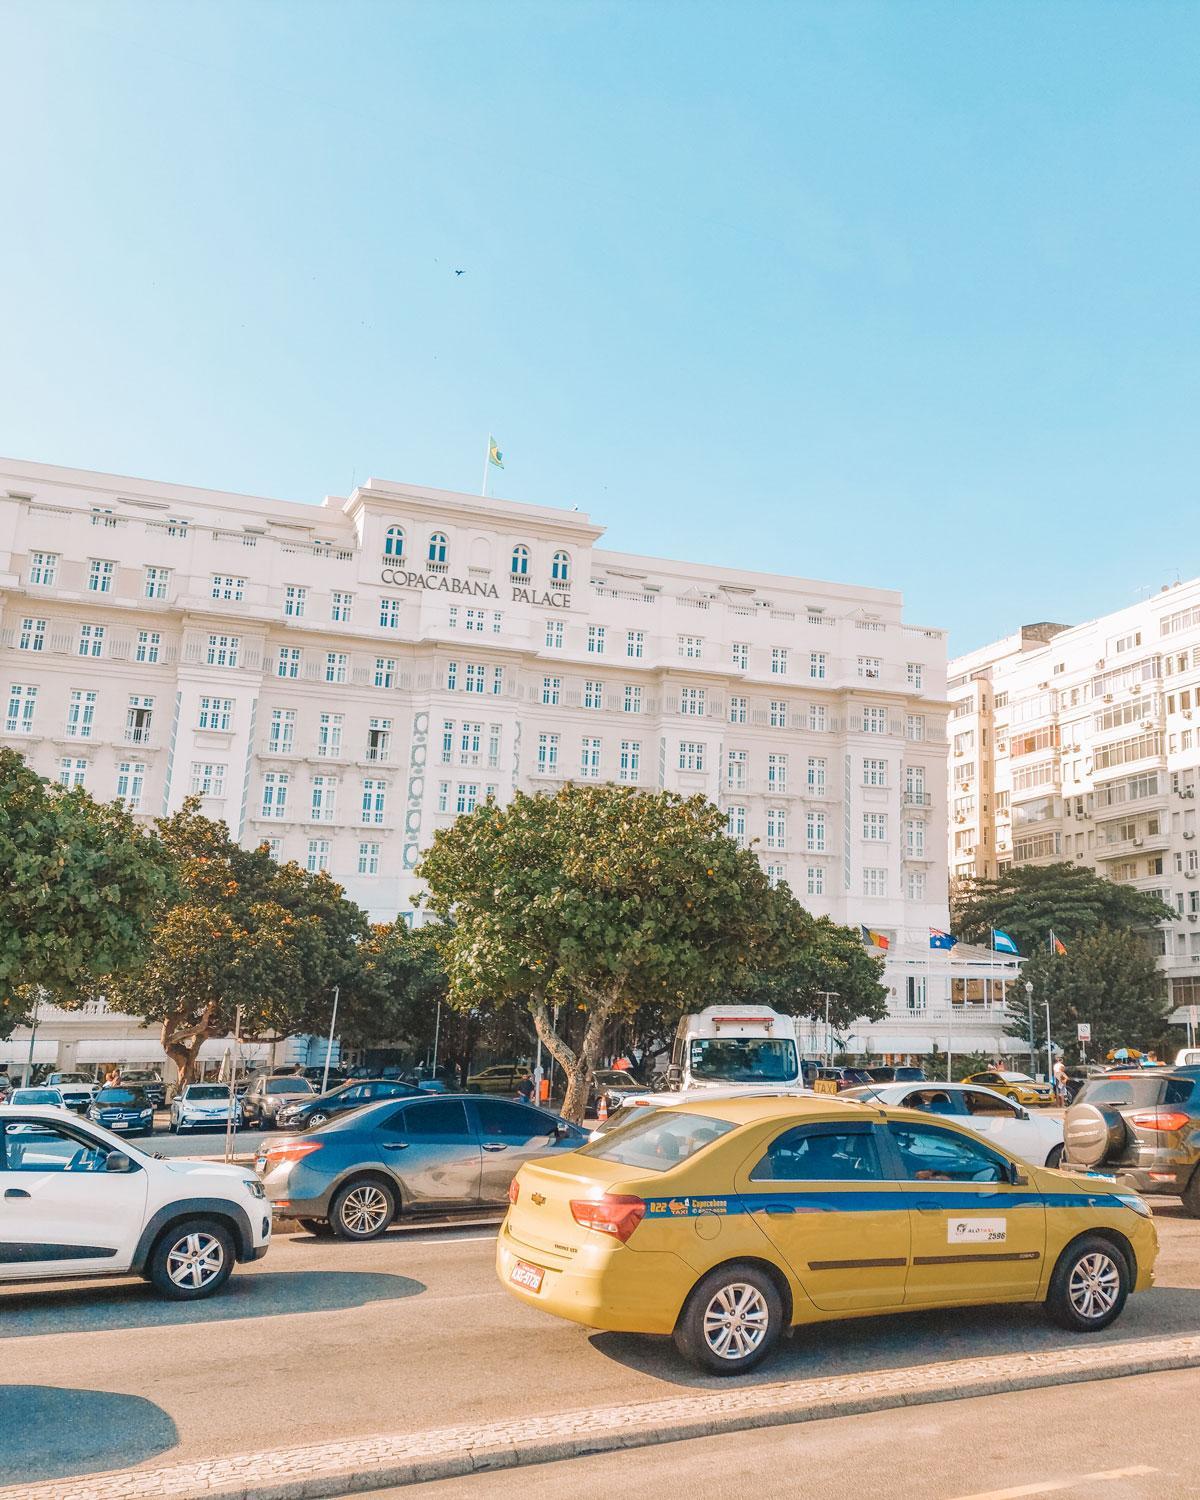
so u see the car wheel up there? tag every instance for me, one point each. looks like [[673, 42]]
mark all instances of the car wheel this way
[[362, 1210], [1089, 1285], [193, 1259], [319, 1227], [1191, 1196], [1055, 1157], [731, 1321], [316, 1119]]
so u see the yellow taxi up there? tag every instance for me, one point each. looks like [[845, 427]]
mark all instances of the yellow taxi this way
[[726, 1223], [1016, 1086]]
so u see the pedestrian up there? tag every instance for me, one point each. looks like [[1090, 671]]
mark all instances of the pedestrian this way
[[525, 1088], [112, 1076], [1060, 1081]]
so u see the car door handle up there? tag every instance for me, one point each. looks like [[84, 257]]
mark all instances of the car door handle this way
[[494, 1146], [774, 1209], [928, 1206], [395, 1145], [15, 1193]]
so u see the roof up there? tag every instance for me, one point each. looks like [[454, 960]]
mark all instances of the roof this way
[[749, 1109]]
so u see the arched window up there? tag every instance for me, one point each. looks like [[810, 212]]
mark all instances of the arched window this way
[[520, 561], [437, 547], [560, 568], [393, 544]]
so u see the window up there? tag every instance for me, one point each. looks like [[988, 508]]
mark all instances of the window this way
[[374, 801], [554, 635], [223, 650], [914, 726], [635, 642], [32, 636], [589, 759], [393, 542], [874, 881], [735, 825], [656, 1141], [777, 773], [817, 661], [691, 646], [230, 589], [778, 713], [560, 568], [157, 583], [443, 804], [774, 875], [520, 562], [54, 1148], [779, 661], [735, 770], [875, 827], [914, 882], [43, 568], [914, 785], [547, 757], [595, 639], [874, 720], [72, 772], [208, 779], [385, 671], [368, 859], [329, 735], [815, 883], [389, 614], [472, 737], [816, 775], [874, 773], [100, 576], [437, 548], [932, 1155], [318, 856], [337, 666], [593, 694], [149, 646], [816, 1153], [379, 739], [81, 711], [138, 718], [274, 795], [776, 828], [551, 689], [493, 755], [630, 761], [295, 601], [738, 710], [691, 702], [91, 640], [497, 681], [324, 798], [475, 677], [741, 655], [914, 840], [283, 730], [22, 702], [814, 832], [341, 606], [476, 620], [817, 718], [447, 741], [913, 675], [216, 713], [131, 779], [177, 526], [101, 516], [288, 663], [691, 755], [870, 667]]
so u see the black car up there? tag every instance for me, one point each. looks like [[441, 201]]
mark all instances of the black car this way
[[896, 1075], [316, 1076], [123, 1109], [309, 1114], [151, 1085]]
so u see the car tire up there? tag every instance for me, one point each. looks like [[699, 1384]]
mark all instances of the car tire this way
[[1055, 1157], [321, 1228], [192, 1260], [1089, 1286], [362, 1210], [314, 1120], [1191, 1196], [731, 1321]]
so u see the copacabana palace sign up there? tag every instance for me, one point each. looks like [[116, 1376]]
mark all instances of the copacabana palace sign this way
[[473, 588]]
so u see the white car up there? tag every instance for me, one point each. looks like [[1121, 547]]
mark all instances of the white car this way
[[1035, 1138], [78, 1201], [204, 1106], [634, 1103]]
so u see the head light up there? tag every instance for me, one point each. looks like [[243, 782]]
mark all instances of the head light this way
[[1131, 1200]]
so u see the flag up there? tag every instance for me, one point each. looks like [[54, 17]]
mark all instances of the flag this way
[[1002, 943], [494, 455], [940, 939], [1056, 947], [876, 939]]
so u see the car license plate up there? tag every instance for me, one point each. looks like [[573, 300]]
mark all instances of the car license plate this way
[[120, 1124], [530, 1277]]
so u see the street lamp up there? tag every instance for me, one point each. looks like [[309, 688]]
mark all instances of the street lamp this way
[[1029, 1007]]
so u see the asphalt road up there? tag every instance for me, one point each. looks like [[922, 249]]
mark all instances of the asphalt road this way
[[1129, 1439], [322, 1340]]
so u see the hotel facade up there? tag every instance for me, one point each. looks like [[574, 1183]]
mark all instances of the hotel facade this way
[[339, 681]]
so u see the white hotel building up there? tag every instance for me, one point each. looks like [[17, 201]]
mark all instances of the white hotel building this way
[[339, 681]]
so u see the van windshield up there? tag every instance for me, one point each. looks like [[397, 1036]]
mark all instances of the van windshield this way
[[743, 1059]]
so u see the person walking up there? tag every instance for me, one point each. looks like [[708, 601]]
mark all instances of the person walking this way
[[1060, 1081], [525, 1089]]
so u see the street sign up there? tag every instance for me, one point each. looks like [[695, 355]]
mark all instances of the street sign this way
[[1083, 1031]]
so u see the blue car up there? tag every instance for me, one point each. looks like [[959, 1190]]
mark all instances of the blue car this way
[[128, 1111]]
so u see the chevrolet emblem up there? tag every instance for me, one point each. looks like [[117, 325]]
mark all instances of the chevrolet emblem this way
[[538, 1198]]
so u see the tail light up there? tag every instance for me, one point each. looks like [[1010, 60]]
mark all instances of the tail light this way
[[290, 1151], [1159, 1119], [618, 1214], [514, 1192]]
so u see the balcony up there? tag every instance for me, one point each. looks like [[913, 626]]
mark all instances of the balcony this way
[[917, 799], [392, 560]]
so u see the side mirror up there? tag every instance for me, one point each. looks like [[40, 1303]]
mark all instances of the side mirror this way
[[1019, 1178], [1022, 1112], [674, 1076], [118, 1162]]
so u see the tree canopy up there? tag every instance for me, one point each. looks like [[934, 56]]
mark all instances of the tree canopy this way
[[1031, 901]]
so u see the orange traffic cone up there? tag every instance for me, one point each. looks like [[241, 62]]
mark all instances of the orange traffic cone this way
[[602, 1109]]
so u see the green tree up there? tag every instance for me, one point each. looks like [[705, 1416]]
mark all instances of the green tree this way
[[393, 993], [1031, 901], [80, 885], [599, 900]]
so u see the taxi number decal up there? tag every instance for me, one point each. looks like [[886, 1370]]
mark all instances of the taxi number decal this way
[[976, 1231]]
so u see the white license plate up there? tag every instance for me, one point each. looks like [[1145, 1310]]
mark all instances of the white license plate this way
[[120, 1124], [530, 1277]]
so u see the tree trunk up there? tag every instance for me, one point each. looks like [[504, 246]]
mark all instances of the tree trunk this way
[[182, 1041], [579, 1077]]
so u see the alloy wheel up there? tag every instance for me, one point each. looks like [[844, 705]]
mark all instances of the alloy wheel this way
[[195, 1259], [365, 1209], [1095, 1285], [736, 1320]]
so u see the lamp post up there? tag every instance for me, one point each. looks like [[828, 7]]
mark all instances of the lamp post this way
[[1032, 1044], [329, 1044], [829, 995]]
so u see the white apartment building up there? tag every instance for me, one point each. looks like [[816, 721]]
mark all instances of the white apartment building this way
[[1083, 743], [339, 681]]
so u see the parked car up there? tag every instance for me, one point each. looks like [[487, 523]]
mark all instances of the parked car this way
[[1018, 1086], [1037, 1139], [77, 1089], [451, 1153], [843, 1078], [125, 1110], [6, 1087], [1143, 1129], [82, 1202], [50, 1097], [150, 1084], [271, 1092], [896, 1075], [204, 1106], [311, 1114], [614, 1086], [316, 1076], [501, 1078]]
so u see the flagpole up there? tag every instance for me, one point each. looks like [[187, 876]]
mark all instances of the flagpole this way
[[487, 458]]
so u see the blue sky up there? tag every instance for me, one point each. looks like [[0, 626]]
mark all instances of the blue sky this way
[[903, 294]]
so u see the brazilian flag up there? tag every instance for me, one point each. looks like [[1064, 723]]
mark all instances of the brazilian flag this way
[[494, 454]]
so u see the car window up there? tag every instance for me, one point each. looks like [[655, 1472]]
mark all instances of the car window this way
[[809, 1154], [986, 1078], [207, 1091], [289, 1086], [1179, 1090], [36, 1096], [37, 1146], [119, 1096], [515, 1124], [394, 1091], [362, 1092], [438, 1117], [934, 1101], [931, 1155], [1138, 1093], [657, 1141], [979, 1103]]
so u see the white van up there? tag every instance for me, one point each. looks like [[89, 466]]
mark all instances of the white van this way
[[751, 1046], [1188, 1057]]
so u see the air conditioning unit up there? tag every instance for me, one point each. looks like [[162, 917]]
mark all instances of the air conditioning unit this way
[[1100, 663], [1147, 723], [1136, 688], [1137, 843], [1187, 791], [1191, 916], [1189, 835], [1108, 697], [1003, 844]]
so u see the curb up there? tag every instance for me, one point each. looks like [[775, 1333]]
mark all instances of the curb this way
[[320, 1471]]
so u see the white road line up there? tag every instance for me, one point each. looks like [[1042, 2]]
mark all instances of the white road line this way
[[1056, 1486]]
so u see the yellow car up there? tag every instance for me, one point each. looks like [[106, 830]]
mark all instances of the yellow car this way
[[725, 1223], [1016, 1086]]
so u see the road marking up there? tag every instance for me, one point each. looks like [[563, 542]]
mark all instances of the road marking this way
[[1053, 1486]]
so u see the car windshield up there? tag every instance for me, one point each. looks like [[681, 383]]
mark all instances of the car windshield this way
[[289, 1086], [208, 1091], [119, 1096], [657, 1140], [613, 1076], [874, 1091], [1016, 1077], [36, 1096], [1135, 1091], [744, 1059]]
